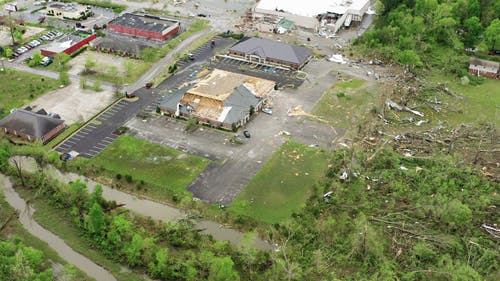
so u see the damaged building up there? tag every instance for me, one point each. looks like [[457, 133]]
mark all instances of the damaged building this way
[[312, 14], [220, 99]]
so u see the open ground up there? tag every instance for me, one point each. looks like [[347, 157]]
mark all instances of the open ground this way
[[73, 103], [223, 180], [131, 69], [6, 39]]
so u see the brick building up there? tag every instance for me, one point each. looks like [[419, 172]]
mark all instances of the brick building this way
[[31, 126], [485, 68], [265, 51], [68, 44], [147, 26], [221, 99]]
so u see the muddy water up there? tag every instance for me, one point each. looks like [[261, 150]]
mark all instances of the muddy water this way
[[63, 250], [145, 207], [157, 210]]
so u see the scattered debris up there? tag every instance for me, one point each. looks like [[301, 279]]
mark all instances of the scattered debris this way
[[493, 231], [395, 106], [338, 58], [344, 175], [419, 123]]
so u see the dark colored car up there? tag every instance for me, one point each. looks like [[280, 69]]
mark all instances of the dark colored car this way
[[247, 134], [494, 53]]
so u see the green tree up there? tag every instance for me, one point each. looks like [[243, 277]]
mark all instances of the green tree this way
[[221, 269], [455, 213], [158, 268], [64, 78], [128, 67], [409, 58], [116, 78], [89, 65], [60, 61], [133, 251], [492, 34], [96, 223], [36, 59], [8, 52], [473, 30]]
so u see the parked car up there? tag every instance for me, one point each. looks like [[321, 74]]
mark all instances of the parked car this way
[[46, 61], [247, 134], [191, 56], [267, 111], [15, 54]]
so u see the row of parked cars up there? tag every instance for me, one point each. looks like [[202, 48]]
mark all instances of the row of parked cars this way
[[34, 43]]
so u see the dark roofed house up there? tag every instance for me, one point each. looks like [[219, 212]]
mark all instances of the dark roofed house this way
[[271, 52], [146, 26], [486, 68], [31, 126]]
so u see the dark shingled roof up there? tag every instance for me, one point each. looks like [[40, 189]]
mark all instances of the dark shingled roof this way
[[272, 49], [144, 22], [240, 101], [30, 123]]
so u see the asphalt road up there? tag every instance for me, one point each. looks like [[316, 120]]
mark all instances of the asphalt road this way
[[99, 133]]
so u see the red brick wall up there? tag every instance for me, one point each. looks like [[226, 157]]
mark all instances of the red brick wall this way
[[142, 33], [487, 74], [80, 44], [54, 132]]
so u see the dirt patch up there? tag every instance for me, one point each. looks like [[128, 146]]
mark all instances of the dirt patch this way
[[104, 62], [72, 103], [6, 39]]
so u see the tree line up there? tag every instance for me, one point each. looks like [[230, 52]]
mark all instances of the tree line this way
[[431, 33]]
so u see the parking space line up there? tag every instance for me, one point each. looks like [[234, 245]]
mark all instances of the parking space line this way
[[96, 152], [70, 142], [112, 139], [92, 126]]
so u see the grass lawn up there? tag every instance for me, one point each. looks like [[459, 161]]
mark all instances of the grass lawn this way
[[166, 170], [345, 103], [139, 67], [16, 229], [19, 88], [282, 185], [60, 223], [480, 103], [68, 131]]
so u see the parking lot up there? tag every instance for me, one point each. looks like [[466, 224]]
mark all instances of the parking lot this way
[[236, 164], [281, 76], [100, 132]]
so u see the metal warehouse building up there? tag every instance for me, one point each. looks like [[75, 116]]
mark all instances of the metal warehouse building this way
[[146, 26]]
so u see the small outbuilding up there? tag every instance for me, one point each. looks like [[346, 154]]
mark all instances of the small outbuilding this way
[[31, 126], [265, 51], [485, 68]]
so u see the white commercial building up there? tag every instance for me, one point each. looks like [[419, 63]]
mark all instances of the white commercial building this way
[[309, 13]]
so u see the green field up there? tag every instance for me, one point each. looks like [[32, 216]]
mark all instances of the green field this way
[[19, 88], [166, 170], [283, 184], [345, 103], [480, 102]]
